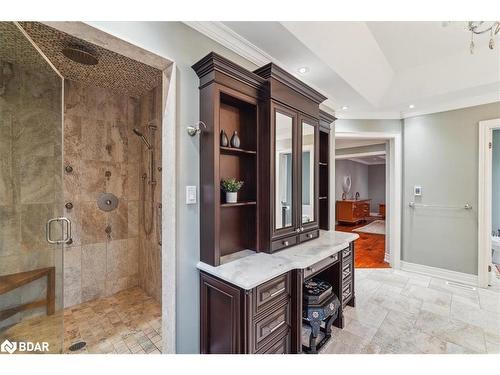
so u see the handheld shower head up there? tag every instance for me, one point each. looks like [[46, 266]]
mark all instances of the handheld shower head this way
[[140, 135]]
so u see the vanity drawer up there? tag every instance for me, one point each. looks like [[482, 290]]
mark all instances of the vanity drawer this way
[[346, 291], [271, 326], [269, 292], [281, 345], [346, 252], [311, 270], [346, 270], [309, 235], [285, 242]]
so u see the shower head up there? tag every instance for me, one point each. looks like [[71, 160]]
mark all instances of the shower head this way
[[140, 135], [80, 55]]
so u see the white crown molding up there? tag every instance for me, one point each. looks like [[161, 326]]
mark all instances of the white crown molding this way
[[359, 155], [228, 38], [491, 97], [441, 273], [223, 35], [368, 115]]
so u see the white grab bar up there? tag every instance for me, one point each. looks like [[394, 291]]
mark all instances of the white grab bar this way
[[466, 206]]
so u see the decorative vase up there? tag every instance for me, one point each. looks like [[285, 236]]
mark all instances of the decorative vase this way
[[231, 197], [224, 141], [235, 140]]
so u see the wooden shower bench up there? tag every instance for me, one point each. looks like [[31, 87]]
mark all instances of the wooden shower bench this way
[[16, 280]]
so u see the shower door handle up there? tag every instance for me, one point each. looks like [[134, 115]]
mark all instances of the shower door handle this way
[[66, 230]]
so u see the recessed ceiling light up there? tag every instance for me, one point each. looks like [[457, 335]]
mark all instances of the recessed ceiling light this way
[[303, 70], [411, 106], [344, 107]]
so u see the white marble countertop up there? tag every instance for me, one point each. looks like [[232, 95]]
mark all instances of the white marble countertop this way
[[252, 269]]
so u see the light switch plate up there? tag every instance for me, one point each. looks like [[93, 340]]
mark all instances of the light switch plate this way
[[417, 191], [190, 194]]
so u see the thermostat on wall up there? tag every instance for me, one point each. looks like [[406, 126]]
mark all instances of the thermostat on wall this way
[[417, 190], [190, 194]]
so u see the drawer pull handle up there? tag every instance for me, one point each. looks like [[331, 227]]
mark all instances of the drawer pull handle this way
[[309, 235], [276, 327], [277, 292], [285, 243]]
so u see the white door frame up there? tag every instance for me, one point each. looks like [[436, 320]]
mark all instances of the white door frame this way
[[395, 155], [484, 200]]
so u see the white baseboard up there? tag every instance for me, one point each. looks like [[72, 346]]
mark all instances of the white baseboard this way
[[441, 273]]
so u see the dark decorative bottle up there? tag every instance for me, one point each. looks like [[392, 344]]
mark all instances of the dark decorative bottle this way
[[224, 141], [235, 140]]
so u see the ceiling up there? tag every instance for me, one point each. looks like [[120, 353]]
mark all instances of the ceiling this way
[[376, 69], [114, 71]]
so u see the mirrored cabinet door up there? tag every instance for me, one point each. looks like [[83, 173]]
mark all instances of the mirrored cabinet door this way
[[308, 171], [284, 169]]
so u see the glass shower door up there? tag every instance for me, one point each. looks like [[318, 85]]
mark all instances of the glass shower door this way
[[31, 194]]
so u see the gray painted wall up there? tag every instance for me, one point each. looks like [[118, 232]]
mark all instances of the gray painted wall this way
[[185, 46], [441, 155], [495, 209], [386, 126], [376, 185], [359, 178]]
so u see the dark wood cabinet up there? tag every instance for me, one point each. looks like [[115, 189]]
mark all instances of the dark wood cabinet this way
[[290, 159], [268, 318], [277, 119], [237, 321], [229, 102], [325, 122]]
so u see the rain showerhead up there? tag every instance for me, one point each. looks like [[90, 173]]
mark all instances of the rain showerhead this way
[[140, 135], [80, 55]]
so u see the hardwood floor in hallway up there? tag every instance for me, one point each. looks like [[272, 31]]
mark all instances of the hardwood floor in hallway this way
[[370, 248]]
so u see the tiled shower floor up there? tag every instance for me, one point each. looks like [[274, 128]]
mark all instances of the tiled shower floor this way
[[126, 322]]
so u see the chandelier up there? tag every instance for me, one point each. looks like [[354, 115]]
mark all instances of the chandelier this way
[[483, 27]]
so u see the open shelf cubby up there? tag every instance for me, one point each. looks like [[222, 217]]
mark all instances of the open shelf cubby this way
[[238, 221], [324, 180]]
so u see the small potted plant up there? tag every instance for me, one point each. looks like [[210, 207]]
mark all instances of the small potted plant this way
[[231, 187]]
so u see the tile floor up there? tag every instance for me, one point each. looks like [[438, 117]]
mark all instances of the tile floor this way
[[402, 312], [126, 322]]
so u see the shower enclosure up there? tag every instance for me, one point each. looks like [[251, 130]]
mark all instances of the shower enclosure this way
[[80, 195], [32, 227]]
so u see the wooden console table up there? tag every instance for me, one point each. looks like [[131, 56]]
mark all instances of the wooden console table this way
[[16, 280]]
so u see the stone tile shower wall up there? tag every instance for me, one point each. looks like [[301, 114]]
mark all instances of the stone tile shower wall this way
[[150, 249], [106, 157], [30, 177]]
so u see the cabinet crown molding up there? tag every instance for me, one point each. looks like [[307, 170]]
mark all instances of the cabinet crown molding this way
[[215, 62], [326, 117], [272, 70]]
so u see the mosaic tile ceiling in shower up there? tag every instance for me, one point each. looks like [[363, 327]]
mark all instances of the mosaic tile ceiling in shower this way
[[113, 71], [16, 49]]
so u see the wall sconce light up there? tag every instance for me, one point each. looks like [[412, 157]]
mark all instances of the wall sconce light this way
[[195, 129]]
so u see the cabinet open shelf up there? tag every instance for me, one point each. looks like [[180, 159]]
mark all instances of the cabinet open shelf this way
[[236, 151], [248, 203]]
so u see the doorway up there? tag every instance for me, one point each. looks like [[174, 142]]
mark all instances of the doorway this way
[[489, 204], [391, 151], [361, 192]]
